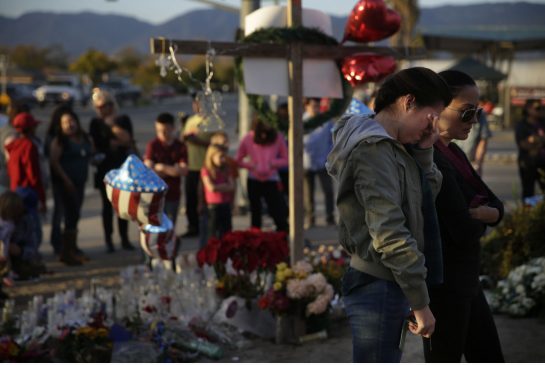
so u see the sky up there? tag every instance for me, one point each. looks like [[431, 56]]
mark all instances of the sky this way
[[160, 11]]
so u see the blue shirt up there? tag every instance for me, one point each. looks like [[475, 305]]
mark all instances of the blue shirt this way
[[317, 145]]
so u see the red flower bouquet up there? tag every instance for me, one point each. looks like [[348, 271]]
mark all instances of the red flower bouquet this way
[[242, 259]]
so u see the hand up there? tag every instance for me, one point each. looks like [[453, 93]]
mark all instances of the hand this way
[[159, 167], [484, 213], [431, 134], [70, 187], [425, 322]]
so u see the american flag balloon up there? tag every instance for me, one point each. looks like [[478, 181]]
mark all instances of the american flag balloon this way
[[159, 241], [136, 192]]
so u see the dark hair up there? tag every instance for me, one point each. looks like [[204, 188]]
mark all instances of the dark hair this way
[[54, 121], [456, 81], [60, 136], [165, 118], [264, 134], [309, 100], [123, 121], [527, 104], [425, 85]]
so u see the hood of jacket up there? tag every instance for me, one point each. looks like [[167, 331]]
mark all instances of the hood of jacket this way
[[350, 130]]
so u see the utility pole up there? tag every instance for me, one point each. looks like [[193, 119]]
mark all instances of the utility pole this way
[[244, 112]]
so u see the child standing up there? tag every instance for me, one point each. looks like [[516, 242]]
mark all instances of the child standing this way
[[167, 156], [218, 187]]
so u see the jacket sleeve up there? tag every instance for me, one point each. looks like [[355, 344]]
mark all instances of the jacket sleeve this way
[[242, 152], [377, 185], [282, 159], [424, 157], [453, 210], [33, 173]]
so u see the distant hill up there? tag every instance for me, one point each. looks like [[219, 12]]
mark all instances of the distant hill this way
[[110, 33]]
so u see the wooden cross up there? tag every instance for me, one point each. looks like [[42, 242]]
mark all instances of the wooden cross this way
[[294, 53]]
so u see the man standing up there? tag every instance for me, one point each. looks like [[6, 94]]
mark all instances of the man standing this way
[[317, 145], [197, 142]]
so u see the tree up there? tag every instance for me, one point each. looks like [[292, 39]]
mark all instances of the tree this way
[[128, 61], [29, 58], [94, 64]]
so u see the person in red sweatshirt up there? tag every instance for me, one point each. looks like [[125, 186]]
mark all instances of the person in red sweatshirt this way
[[23, 158]]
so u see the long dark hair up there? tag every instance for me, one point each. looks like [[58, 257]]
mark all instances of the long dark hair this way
[[55, 120], [264, 134], [61, 137], [426, 86]]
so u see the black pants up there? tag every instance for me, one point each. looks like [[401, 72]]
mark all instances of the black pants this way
[[219, 219], [530, 173], [276, 205], [464, 326], [309, 188], [71, 206], [57, 216], [191, 200], [107, 217]]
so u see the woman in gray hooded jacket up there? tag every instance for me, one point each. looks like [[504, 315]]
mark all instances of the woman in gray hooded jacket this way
[[380, 203]]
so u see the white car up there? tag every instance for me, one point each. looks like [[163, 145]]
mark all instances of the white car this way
[[59, 91]]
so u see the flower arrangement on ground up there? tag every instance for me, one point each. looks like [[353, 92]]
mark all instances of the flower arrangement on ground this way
[[297, 290], [331, 261], [243, 259], [523, 291]]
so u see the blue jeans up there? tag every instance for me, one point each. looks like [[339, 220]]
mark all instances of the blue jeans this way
[[376, 310]]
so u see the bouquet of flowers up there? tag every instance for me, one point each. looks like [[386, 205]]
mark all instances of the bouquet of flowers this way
[[297, 290], [243, 259], [331, 261], [523, 291]]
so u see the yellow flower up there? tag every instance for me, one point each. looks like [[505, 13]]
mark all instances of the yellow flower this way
[[288, 273], [220, 284], [281, 266], [280, 276], [277, 286], [84, 331]]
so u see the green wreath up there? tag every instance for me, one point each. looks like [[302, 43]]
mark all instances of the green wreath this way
[[286, 36]]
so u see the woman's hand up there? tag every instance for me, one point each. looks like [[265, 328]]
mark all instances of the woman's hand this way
[[485, 214], [425, 322], [431, 134]]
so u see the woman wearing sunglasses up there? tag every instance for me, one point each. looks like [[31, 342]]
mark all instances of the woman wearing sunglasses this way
[[465, 207]]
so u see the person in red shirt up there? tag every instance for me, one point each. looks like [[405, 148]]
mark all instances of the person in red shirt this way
[[167, 156], [24, 159]]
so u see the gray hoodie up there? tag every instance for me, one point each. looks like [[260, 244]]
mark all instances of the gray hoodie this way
[[380, 203]]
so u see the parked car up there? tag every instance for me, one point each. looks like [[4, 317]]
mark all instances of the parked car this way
[[21, 93], [123, 90], [61, 89], [161, 92]]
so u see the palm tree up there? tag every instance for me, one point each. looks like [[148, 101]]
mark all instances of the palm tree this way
[[409, 12]]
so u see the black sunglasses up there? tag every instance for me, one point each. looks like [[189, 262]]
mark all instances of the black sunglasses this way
[[467, 115]]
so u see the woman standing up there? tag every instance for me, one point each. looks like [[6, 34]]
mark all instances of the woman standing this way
[[530, 137], [465, 207], [380, 203], [69, 155], [112, 141], [266, 151]]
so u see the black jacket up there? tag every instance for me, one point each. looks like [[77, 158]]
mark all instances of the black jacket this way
[[460, 234]]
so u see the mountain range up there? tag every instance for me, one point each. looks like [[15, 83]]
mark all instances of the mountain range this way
[[110, 33]]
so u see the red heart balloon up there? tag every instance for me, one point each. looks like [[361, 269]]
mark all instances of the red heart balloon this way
[[367, 67], [371, 21]]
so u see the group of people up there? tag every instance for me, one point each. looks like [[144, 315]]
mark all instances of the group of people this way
[[412, 209]]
